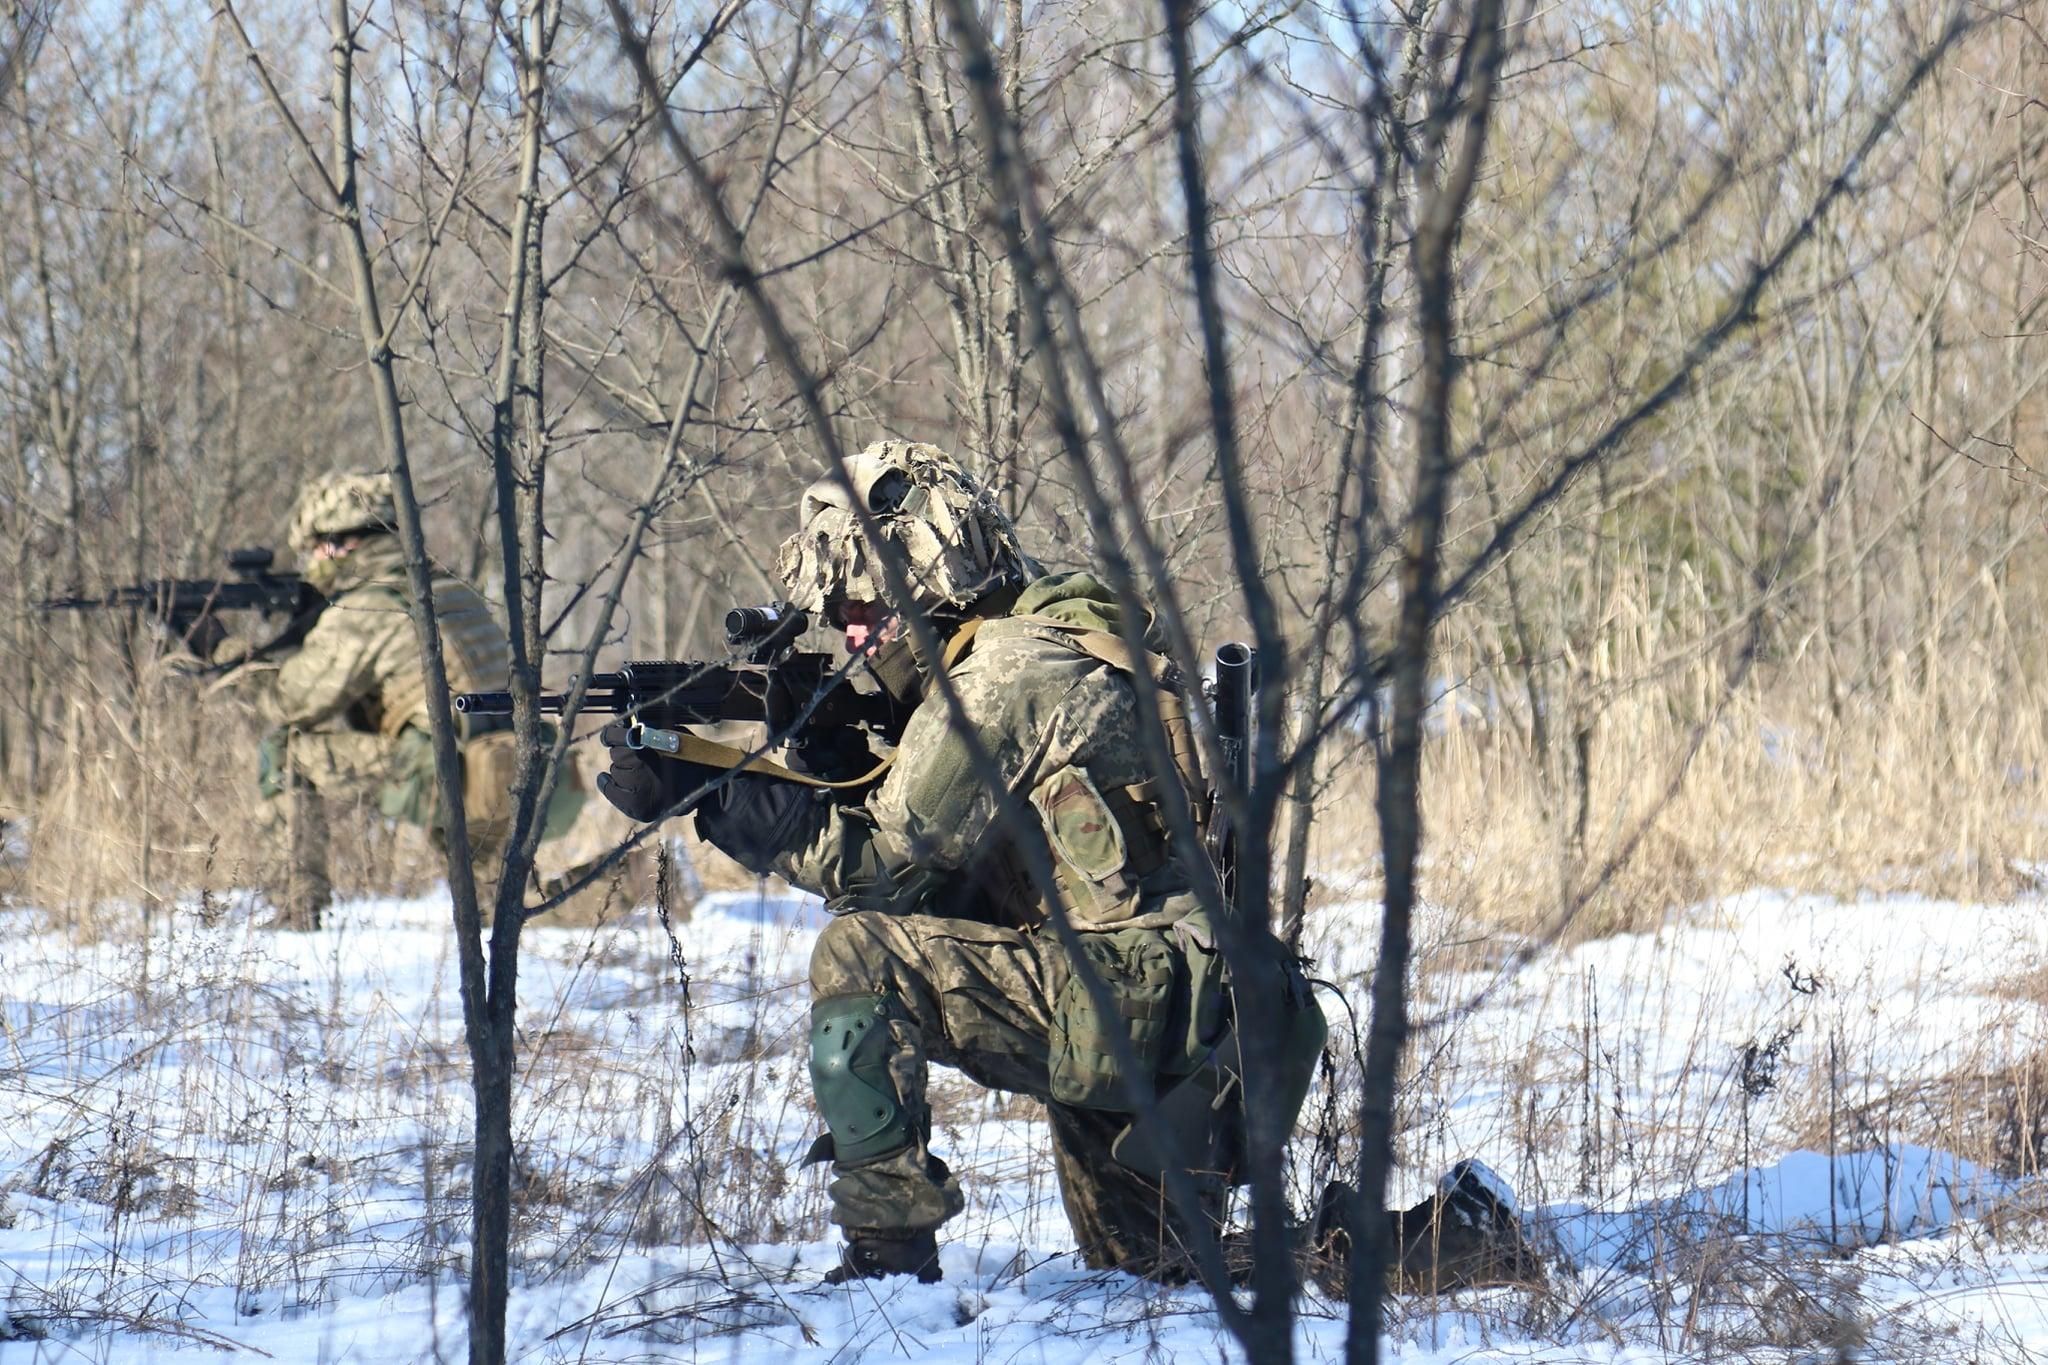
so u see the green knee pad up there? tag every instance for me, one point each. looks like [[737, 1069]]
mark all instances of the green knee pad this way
[[850, 1048]]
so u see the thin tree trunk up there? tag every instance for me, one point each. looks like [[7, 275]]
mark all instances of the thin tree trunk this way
[[518, 460], [488, 1263], [1466, 109]]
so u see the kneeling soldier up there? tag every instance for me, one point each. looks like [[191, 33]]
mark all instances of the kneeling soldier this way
[[940, 949]]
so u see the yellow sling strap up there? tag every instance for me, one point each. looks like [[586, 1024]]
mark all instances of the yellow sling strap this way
[[709, 752]]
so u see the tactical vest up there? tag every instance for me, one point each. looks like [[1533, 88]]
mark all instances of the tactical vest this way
[[474, 651], [1106, 841]]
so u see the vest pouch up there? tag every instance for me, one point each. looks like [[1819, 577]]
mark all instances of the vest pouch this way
[[1142, 972], [409, 794], [1089, 851], [1205, 1008], [490, 765], [490, 769]]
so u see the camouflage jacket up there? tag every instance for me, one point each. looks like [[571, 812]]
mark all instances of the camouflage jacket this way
[[1062, 726], [359, 667]]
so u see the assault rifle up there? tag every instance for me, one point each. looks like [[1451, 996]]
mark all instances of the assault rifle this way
[[802, 697], [188, 607]]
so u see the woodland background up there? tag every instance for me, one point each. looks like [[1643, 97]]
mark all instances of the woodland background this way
[[1696, 351]]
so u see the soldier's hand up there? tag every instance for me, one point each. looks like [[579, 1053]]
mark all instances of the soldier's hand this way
[[205, 637], [645, 786], [836, 755], [754, 818]]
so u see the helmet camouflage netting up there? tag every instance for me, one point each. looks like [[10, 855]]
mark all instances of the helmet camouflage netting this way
[[340, 505], [956, 542]]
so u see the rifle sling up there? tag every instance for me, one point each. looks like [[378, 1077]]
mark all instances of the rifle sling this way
[[711, 754]]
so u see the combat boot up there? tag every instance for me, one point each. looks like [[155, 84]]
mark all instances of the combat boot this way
[[1467, 1234], [872, 1254]]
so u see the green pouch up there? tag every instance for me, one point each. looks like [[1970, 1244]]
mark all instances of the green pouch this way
[[408, 793], [1203, 1014], [270, 764], [411, 792], [1141, 970], [1089, 852], [563, 808]]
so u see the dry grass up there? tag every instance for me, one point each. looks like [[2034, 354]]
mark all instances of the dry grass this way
[[148, 801], [1705, 790], [1698, 786]]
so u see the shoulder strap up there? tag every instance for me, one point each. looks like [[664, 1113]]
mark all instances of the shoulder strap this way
[[1173, 714], [1105, 645], [961, 641]]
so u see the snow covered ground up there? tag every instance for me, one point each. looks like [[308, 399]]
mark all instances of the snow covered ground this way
[[1773, 1129]]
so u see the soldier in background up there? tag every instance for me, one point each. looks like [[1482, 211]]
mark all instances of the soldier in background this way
[[347, 708]]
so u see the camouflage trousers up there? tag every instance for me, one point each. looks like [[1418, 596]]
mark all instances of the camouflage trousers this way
[[981, 999], [329, 773]]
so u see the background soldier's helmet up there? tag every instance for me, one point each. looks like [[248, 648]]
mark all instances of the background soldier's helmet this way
[[341, 505], [956, 543]]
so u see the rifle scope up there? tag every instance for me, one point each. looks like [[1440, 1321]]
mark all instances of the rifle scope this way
[[762, 633]]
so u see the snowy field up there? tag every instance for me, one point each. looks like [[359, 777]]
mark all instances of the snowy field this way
[[1770, 1131]]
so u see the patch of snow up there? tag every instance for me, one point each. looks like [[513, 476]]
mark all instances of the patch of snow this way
[[1474, 1171], [1845, 1201], [234, 1140]]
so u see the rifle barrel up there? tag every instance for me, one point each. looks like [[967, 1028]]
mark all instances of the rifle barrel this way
[[606, 695], [1236, 665]]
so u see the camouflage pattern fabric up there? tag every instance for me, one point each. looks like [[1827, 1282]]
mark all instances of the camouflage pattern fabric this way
[[351, 702], [294, 825], [956, 543], [935, 910], [340, 505], [927, 838], [985, 1000], [360, 664]]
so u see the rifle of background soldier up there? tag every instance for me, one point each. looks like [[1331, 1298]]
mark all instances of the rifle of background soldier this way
[[189, 607], [803, 698]]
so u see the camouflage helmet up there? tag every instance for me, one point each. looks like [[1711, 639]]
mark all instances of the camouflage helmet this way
[[956, 542], [338, 505]]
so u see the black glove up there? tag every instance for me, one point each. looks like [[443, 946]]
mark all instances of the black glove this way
[[753, 818], [837, 755], [646, 786]]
